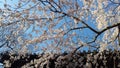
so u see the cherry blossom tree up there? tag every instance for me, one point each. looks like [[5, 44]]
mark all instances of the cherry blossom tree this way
[[57, 25]]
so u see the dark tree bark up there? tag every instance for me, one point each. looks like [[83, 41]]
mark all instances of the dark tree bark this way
[[119, 34]]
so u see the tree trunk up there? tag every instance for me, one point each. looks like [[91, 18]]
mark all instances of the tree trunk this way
[[119, 34]]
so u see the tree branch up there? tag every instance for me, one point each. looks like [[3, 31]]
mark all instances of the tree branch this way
[[3, 44], [109, 27], [75, 29]]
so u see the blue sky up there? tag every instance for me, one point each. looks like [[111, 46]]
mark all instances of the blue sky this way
[[86, 32]]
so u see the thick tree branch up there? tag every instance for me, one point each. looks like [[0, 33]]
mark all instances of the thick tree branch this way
[[109, 27], [102, 31]]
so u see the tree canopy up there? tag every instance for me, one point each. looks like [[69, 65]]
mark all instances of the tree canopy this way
[[59, 25]]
